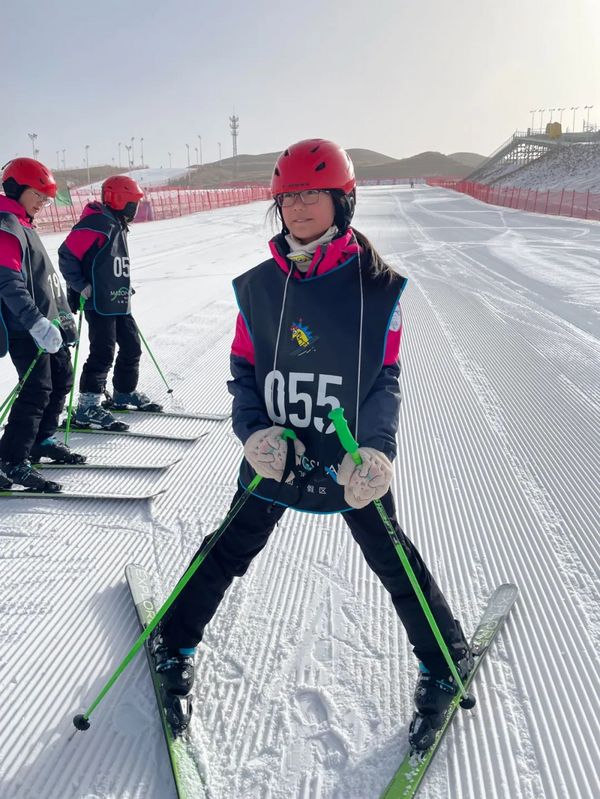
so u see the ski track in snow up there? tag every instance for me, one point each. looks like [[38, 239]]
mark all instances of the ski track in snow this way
[[305, 675]]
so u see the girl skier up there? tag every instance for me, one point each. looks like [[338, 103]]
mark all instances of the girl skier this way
[[31, 299], [94, 261], [319, 326]]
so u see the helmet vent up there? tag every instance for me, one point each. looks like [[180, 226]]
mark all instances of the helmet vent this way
[[287, 152], [321, 166], [314, 149]]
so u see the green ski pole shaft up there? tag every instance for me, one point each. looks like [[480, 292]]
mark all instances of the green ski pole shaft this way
[[169, 389], [9, 401], [70, 408], [350, 444], [81, 721]]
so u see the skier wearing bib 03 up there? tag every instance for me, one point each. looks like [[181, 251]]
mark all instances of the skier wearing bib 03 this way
[[35, 325], [94, 261], [319, 326]]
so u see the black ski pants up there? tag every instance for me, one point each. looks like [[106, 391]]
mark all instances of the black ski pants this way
[[106, 332], [247, 535], [36, 411]]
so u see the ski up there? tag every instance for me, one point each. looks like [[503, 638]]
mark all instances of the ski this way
[[189, 781], [18, 493], [210, 417], [93, 465], [133, 433], [413, 768]]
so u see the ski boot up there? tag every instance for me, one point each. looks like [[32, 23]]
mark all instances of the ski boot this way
[[90, 413], [5, 483], [23, 474], [56, 451], [433, 696], [175, 669], [136, 399]]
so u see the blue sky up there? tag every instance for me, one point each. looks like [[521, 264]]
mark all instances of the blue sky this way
[[395, 76]]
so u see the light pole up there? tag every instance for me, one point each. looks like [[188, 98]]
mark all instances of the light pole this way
[[64, 159], [188, 155], [200, 141], [197, 160], [573, 109], [33, 137], [132, 152], [170, 154], [87, 162], [119, 145], [128, 148], [532, 112], [587, 123], [142, 146], [541, 110], [561, 113], [551, 112]]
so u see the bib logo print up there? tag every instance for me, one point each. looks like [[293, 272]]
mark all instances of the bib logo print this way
[[303, 337]]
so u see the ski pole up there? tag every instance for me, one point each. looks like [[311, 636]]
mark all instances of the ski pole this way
[[70, 408], [9, 401], [169, 389], [81, 721], [350, 444]]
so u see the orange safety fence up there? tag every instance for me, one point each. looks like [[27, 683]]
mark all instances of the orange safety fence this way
[[559, 202]]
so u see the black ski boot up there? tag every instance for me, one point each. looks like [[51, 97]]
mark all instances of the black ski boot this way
[[95, 416], [56, 451], [25, 475], [5, 483], [175, 668], [134, 399], [433, 696]]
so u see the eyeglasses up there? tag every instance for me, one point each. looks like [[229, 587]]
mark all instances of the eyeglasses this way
[[307, 197], [43, 198]]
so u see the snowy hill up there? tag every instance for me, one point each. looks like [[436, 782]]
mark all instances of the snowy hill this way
[[571, 166], [305, 675]]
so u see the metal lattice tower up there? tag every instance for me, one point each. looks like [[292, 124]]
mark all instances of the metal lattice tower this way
[[234, 125]]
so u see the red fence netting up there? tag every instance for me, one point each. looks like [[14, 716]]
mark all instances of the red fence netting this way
[[158, 203], [560, 202]]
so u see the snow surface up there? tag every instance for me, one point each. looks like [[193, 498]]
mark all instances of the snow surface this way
[[305, 675], [147, 178]]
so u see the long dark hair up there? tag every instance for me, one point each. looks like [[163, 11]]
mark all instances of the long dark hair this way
[[377, 266]]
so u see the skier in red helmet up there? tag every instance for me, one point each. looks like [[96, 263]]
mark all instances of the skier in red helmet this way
[[35, 314], [319, 326], [94, 261]]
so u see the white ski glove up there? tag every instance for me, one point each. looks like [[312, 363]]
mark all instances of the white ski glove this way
[[87, 292], [265, 451], [46, 335], [369, 481]]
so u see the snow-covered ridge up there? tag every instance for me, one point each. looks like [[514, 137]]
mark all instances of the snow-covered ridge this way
[[569, 167]]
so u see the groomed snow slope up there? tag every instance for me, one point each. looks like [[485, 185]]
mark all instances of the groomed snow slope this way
[[305, 676]]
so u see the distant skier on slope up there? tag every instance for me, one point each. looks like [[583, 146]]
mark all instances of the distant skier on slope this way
[[94, 261], [32, 298], [319, 327]]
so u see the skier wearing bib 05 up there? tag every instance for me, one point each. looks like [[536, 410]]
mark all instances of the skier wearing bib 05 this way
[[94, 261], [319, 326], [34, 318]]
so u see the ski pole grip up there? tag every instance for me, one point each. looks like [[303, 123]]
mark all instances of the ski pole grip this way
[[287, 433], [347, 440]]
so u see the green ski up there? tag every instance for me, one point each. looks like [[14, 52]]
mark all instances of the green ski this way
[[413, 768]]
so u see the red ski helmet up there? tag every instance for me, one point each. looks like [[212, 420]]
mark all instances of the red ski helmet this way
[[313, 164], [22, 173], [119, 190]]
